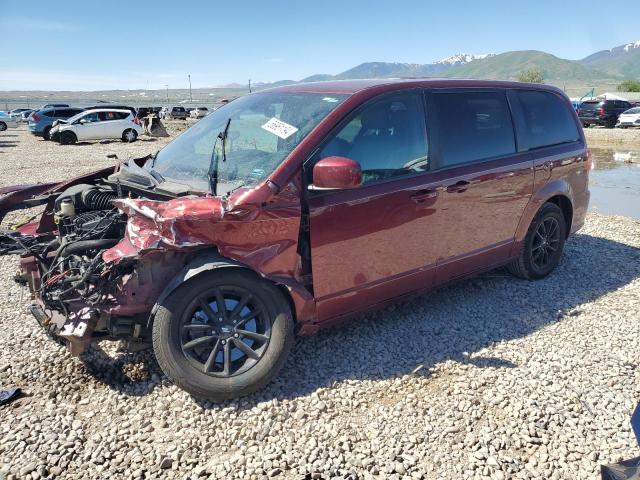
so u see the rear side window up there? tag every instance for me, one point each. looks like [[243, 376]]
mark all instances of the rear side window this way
[[107, 116], [50, 113], [471, 126], [547, 119]]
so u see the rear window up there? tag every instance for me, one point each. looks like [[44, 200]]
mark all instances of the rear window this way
[[547, 119], [589, 105], [178, 109], [471, 126]]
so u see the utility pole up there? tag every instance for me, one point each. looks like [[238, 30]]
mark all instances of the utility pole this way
[[167, 87], [190, 97], [249, 85]]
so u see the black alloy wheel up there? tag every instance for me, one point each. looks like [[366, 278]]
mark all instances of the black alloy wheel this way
[[546, 242], [223, 334], [225, 331], [543, 245]]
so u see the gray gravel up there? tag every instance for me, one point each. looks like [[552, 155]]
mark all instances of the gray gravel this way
[[491, 378]]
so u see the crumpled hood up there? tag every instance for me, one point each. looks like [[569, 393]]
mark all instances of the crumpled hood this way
[[177, 223]]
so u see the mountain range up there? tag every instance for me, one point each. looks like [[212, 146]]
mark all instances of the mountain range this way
[[618, 63]]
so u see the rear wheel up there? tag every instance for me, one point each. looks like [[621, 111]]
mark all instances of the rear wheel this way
[[543, 244], [223, 334], [611, 123], [68, 138], [129, 135], [46, 133]]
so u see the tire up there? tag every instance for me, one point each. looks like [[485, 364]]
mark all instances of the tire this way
[[531, 264], [585, 125], [3, 126], [129, 135], [205, 369], [68, 138], [45, 133], [611, 123]]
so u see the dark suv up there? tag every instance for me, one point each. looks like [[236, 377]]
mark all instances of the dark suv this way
[[292, 209], [602, 112]]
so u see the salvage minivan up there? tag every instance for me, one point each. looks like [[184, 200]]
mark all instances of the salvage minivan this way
[[291, 209]]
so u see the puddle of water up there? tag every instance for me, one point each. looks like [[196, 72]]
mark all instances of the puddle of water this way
[[615, 182]]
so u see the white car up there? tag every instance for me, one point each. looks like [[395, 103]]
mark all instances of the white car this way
[[199, 112], [629, 118], [7, 121], [97, 124]]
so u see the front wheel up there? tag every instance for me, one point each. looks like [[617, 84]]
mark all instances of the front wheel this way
[[543, 244], [223, 334], [3, 126], [68, 138]]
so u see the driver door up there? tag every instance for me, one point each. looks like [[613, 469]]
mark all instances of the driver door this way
[[375, 242], [85, 127]]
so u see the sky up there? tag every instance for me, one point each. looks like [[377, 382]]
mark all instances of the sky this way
[[140, 44]]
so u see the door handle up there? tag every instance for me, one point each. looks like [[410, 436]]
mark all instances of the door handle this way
[[420, 196], [458, 187]]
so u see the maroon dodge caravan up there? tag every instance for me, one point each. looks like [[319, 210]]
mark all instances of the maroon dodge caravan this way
[[291, 209]]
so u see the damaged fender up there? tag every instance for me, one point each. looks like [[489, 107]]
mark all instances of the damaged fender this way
[[260, 236]]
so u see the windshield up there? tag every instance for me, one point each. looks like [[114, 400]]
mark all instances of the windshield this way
[[264, 129]]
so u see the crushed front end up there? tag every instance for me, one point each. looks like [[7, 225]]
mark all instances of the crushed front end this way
[[107, 245], [77, 294]]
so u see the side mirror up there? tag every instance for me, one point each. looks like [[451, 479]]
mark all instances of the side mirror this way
[[336, 173], [82, 121]]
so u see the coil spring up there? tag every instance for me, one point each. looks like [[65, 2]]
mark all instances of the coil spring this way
[[98, 200]]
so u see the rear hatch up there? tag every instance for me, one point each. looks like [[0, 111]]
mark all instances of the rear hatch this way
[[589, 109]]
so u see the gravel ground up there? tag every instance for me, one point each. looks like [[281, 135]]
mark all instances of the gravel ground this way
[[490, 378], [612, 137]]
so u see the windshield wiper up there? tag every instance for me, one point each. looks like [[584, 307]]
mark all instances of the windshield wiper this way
[[213, 165]]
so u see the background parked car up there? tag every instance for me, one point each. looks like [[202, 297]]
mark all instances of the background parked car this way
[[98, 124], [173, 112], [53, 105], [602, 112], [143, 111], [24, 116], [17, 112], [7, 121], [40, 122], [199, 112], [629, 118]]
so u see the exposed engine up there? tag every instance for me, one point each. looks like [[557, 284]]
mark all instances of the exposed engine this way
[[64, 266], [87, 224]]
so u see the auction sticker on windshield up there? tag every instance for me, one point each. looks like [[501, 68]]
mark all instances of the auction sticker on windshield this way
[[279, 128]]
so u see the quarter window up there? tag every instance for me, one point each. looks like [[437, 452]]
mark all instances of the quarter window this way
[[471, 126], [547, 119], [387, 138]]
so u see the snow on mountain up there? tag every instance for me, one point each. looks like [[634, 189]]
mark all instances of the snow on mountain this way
[[632, 45], [460, 58]]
